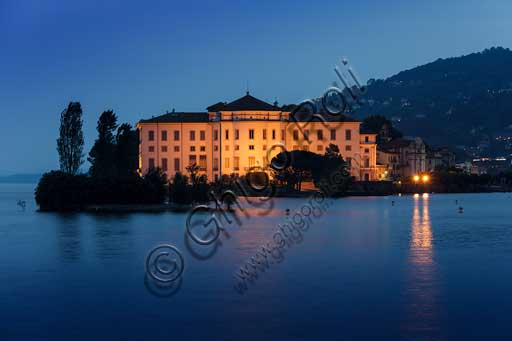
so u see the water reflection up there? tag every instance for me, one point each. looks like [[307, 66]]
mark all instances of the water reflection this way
[[68, 234], [422, 297]]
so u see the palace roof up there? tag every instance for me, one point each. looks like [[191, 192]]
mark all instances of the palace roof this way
[[244, 103]]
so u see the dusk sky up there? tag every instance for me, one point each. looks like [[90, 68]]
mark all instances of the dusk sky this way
[[143, 58]]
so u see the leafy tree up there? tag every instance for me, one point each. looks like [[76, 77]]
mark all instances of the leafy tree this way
[[103, 152], [70, 143], [381, 126], [179, 192], [192, 170], [127, 150]]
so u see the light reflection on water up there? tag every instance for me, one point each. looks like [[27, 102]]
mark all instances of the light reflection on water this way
[[422, 308]]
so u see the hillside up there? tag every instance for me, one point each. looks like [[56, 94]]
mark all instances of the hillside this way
[[462, 101]]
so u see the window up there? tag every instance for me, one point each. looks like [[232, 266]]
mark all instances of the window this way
[[348, 134], [151, 135], [251, 147], [202, 135], [237, 134], [320, 148], [295, 147], [164, 164], [176, 164], [366, 150], [237, 147], [215, 134], [320, 135], [251, 134], [305, 148], [273, 134], [226, 133], [192, 148], [202, 148], [264, 147], [333, 134], [151, 163], [164, 135], [215, 164], [176, 148], [164, 149], [349, 162], [202, 162], [226, 148], [192, 159], [348, 148], [215, 148], [226, 162], [306, 134], [236, 163], [366, 162], [295, 135], [192, 135], [264, 134], [176, 135], [282, 134], [151, 149], [366, 139], [252, 161]]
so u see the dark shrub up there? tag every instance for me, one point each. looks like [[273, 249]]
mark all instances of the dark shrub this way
[[57, 190]]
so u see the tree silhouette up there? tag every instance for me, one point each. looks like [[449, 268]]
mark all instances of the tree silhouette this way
[[70, 143], [102, 154]]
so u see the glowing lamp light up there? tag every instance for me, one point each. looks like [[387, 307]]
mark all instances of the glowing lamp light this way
[[416, 178], [425, 178]]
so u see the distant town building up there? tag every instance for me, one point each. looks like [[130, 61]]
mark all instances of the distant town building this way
[[403, 157], [236, 137]]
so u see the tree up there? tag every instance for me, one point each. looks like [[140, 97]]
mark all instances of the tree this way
[[127, 150], [381, 126], [102, 154], [70, 143], [192, 170]]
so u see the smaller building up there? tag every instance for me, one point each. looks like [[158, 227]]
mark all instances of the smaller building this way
[[403, 157]]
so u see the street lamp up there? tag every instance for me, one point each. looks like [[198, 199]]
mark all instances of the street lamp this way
[[416, 178], [425, 178]]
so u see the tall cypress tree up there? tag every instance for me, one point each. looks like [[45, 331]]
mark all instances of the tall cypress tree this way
[[70, 143], [127, 151]]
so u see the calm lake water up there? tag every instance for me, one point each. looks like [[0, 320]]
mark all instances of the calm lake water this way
[[365, 269]]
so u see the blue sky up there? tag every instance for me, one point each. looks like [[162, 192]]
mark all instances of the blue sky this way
[[143, 58]]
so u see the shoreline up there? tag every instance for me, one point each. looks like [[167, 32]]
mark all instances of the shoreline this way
[[177, 208]]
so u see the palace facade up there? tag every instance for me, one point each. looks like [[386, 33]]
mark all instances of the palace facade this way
[[236, 137]]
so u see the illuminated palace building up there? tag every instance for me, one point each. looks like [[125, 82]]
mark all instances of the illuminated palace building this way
[[233, 138]]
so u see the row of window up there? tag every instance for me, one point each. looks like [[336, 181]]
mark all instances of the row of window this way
[[319, 148], [164, 164], [202, 135], [320, 134]]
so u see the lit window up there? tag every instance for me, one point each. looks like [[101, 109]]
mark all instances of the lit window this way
[[226, 162]]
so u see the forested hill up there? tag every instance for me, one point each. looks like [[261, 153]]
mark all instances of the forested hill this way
[[455, 101]]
